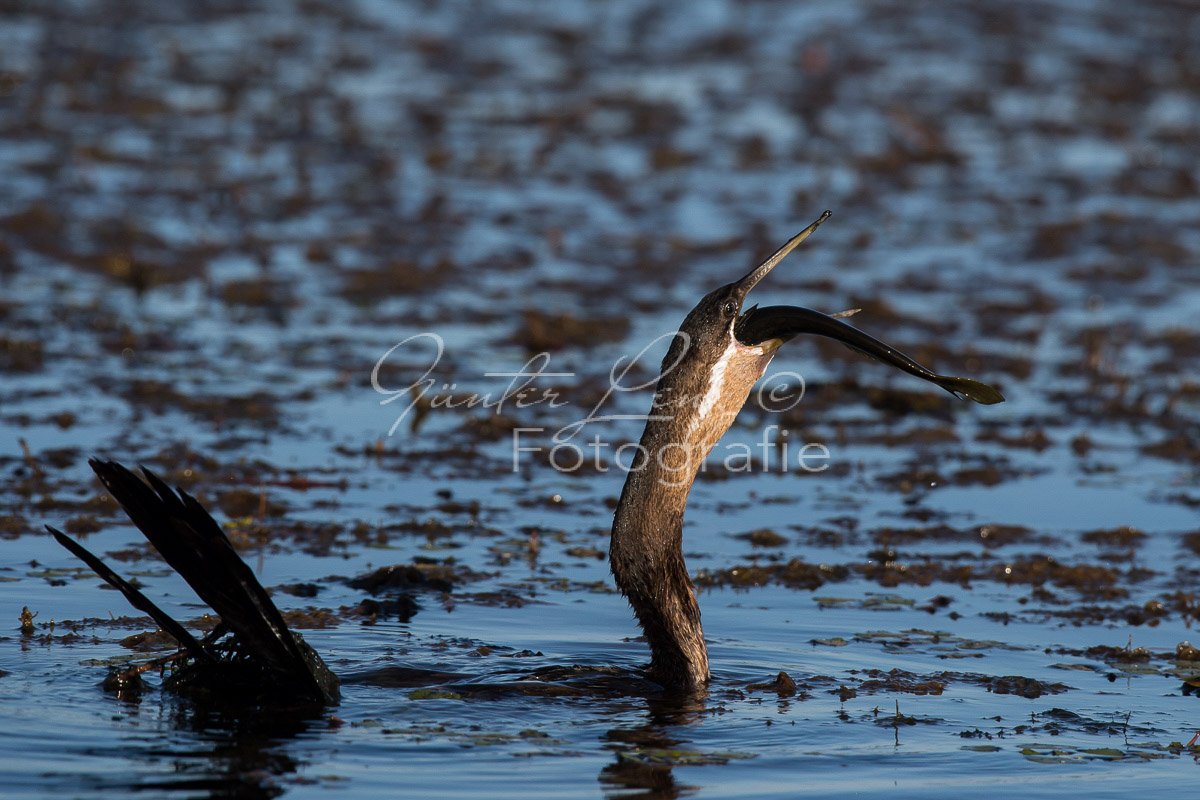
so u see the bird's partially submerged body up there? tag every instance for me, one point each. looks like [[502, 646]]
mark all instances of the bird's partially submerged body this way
[[261, 657], [713, 362]]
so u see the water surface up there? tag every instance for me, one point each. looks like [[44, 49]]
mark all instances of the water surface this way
[[218, 218]]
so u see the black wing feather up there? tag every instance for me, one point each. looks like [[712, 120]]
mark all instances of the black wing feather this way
[[192, 542]]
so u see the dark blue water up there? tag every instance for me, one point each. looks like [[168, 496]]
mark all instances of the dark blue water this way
[[217, 220]]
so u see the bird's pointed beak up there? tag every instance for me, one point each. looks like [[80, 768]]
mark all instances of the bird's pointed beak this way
[[768, 328], [755, 275]]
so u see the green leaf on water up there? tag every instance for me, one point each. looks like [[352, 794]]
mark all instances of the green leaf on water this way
[[878, 635], [433, 694], [1104, 752], [676, 757], [886, 602], [1136, 669], [834, 602]]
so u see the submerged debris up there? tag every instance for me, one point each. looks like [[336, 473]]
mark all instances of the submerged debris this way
[[1025, 687], [783, 685], [543, 332]]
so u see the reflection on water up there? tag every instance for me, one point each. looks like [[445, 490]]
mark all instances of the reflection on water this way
[[241, 754], [645, 754]]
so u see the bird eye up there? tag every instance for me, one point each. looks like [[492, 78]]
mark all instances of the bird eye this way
[[730, 308]]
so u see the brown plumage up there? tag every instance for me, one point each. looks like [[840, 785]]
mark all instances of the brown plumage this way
[[714, 360]]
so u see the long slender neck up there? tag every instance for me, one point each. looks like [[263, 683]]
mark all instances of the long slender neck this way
[[646, 555]]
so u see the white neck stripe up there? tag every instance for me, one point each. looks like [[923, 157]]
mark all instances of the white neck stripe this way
[[716, 382]]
